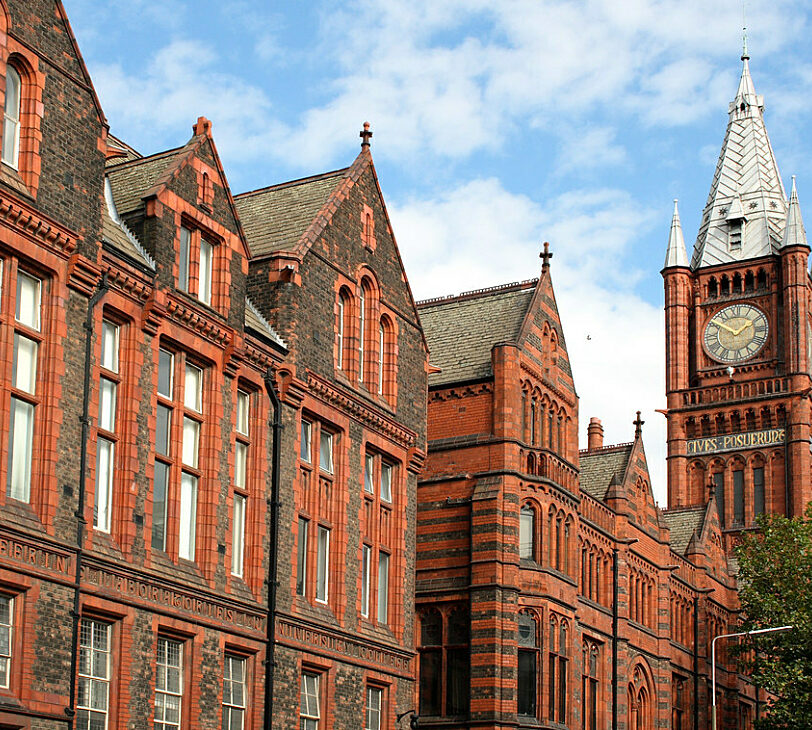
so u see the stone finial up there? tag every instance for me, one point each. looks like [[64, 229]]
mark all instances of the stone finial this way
[[545, 257], [638, 426], [365, 135], [201, 126]]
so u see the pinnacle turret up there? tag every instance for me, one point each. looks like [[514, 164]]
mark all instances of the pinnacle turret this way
[[794, 233], [676, 255]]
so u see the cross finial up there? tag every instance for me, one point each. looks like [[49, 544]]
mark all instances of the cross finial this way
[[545, 257], [365, 135], [638, 426]]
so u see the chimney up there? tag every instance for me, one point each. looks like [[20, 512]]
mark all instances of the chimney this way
[[594, 434]]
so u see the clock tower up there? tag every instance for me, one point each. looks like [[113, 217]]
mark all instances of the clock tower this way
[[739, 336]]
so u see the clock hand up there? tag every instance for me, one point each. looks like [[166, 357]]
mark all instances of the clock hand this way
[[729, 329], [742, 328]]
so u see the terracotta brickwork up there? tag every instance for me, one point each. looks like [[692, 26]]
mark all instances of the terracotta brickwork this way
[[520, 532]]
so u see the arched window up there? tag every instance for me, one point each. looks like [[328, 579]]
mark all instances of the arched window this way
[[749, 281], [557, 701], [528, 665], [11, 119], [527, 533], [533, 422], [342, 329], [761, 279], [362, 329], [386, 357], [431, 662], [725, 286], [589, 689], [713, 289]]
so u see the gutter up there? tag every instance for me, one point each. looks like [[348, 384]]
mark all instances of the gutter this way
[[270, 663], [101, 290]]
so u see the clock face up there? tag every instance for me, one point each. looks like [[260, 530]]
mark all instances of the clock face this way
[[736, 333]]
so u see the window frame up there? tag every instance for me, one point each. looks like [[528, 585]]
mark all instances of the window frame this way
[[310, 721], [322, 582], [7, 659], [94, 679], [229, 707], [31, 400], [10, 122], [197, 262], [241, 473], [161, 723], [107, 430], [369, 711]]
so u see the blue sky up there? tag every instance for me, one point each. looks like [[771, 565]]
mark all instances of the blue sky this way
[[498, 124]]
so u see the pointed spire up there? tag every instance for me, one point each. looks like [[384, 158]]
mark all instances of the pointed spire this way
[[746, 187], [676, 255], [794, 233]]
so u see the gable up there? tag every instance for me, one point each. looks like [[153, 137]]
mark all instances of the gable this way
[[600, 468], [275, 218], [462, 330]]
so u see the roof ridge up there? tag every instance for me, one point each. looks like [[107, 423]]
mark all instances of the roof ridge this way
[[149, 158], [292, 183], [474, 293], [604, 449]]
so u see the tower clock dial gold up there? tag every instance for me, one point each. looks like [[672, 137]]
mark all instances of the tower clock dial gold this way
[[736, 333]]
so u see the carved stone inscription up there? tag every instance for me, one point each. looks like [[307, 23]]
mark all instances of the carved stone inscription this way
[[321, 641], [736, 441], [169, 598]]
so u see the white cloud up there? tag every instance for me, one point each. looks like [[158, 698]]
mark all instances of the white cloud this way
[[484, 235], [449, 79]]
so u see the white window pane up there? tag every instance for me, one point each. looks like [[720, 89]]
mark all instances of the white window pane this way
[[301, 557], [188, 516], [369, 474], [109, 346], [191, 437], [366, 556], [383, 588], [19, 457], [166, 369], [326, 452], [107, 405], [304, 445], [238, 535], [322, 564], [28, 300], [386, 482], [193, 388], [240, 461], [243, 401], [105, 457], [183, 259], [11, 123], [204, 289], [25, 363]]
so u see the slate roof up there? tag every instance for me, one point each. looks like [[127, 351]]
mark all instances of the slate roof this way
[[683, 523], [275, 218], [255, 321], [131, 180], [462, 330], [598, 468], [130, 153], [117, 235]]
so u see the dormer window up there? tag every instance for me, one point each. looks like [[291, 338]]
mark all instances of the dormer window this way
[[195, 257], [735, 232], [11, 118]]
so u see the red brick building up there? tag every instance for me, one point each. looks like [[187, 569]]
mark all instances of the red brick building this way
[[212, 424], [551, 590]]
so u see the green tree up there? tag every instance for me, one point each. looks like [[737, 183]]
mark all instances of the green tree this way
[[776, 590]]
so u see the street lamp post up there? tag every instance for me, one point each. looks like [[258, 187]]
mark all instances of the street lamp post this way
[[713, 660]]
